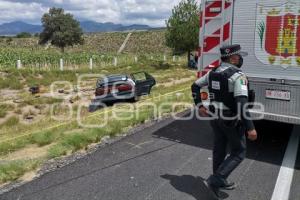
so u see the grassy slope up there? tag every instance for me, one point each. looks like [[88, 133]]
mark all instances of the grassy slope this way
[[69, 137], [146, 42], [102, 47]]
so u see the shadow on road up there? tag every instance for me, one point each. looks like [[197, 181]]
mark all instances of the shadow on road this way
[[191, 185], [270, 146]]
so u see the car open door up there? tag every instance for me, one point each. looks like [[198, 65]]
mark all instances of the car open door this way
[[144, 82]]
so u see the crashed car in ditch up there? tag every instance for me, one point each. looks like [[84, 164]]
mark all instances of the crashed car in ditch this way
[[119, 87]]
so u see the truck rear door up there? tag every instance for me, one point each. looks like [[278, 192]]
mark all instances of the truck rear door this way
[[215, 31]]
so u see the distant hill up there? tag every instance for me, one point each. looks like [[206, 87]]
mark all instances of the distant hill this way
[[13, 28], [91, 27], [16, 27]]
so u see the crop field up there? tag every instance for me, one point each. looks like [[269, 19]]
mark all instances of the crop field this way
[[55, 122], [142, 45]]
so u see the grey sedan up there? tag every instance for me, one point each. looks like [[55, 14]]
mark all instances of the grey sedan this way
[[119, 87]]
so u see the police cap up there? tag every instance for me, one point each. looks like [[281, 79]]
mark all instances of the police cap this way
[[230, 50]]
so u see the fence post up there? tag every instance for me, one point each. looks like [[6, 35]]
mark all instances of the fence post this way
[[174, 58], [136, 59], [61, 64], [115, 61], [19, 64], [165, 58], [91, 63]]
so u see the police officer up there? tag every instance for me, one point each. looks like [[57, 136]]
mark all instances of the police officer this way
[[228, 88]]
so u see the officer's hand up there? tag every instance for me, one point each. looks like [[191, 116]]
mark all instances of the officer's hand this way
[[252, 135], [203, 112]]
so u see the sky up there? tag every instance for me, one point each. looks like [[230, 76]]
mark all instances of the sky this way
[[149, 12]]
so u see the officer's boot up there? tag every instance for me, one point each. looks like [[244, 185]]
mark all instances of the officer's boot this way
[[213, 185], [222, 183], [228, 186]]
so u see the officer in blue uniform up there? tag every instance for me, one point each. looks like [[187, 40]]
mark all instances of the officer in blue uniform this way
[[228, 88]]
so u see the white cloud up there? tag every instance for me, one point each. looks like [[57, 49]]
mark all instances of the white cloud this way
[[150, 12], [12, 11]]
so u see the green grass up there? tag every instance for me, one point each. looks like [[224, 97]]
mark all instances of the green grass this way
[[36, 101], [69, 137], [17, 79], [75, 141], [13, 170], [44, 138], [80, 139], [10, 83], [12, 146], [57, 150], [12, 127], [72, 141], [37, 77], [28, 99], [41, 138], [4, 108], [10, 122]]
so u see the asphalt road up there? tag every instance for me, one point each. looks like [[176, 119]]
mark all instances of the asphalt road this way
[[169, 162]]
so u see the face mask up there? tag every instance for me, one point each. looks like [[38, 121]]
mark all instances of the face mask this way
[[241, 62]]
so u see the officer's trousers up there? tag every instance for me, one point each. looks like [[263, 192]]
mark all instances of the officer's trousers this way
[[227, 136]]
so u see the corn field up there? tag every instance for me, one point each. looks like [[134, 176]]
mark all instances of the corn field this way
[[45, 59], [101, 48]]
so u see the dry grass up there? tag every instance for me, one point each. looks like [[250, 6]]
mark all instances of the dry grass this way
[[13, 170], [50, 138]]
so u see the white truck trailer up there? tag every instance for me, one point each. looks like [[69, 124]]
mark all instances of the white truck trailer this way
[[269, 30]]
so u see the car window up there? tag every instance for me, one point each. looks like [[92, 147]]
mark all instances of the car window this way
[[111, 79], [139, 76]]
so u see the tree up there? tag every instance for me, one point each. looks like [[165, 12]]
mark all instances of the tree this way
[[23, 35], [182, 33], [60, 29]]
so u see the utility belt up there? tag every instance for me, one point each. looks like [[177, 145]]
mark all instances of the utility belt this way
[[224, 112], [229, 118]]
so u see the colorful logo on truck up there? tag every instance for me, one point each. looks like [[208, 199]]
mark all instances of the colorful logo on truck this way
[[277, 40]]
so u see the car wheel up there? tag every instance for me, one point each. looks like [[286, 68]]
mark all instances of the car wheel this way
[[93, 107]]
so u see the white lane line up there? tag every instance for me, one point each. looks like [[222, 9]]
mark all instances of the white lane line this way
[[286, 173]]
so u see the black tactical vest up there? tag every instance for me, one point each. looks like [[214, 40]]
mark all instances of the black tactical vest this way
[[219, 87]]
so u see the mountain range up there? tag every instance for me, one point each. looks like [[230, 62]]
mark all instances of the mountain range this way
[[13, 28]]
